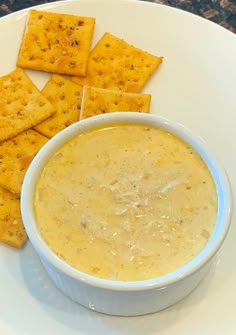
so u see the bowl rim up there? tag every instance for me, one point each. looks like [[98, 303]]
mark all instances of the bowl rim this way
[[218, 172]]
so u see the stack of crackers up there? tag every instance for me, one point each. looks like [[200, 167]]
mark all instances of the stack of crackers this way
[[83, 83]]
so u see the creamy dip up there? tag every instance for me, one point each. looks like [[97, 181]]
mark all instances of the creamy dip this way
[[126, 202]]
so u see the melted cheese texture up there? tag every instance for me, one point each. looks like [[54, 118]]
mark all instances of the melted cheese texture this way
[[126, 202]]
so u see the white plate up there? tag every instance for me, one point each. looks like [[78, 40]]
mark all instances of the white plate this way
[[195, 85]]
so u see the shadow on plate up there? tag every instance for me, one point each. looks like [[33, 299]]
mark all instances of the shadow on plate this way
[[77, 318]]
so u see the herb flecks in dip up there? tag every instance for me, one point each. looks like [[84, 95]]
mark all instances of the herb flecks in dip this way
[[126, 202]]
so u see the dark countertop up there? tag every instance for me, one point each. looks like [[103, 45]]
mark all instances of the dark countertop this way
[[222, 12]]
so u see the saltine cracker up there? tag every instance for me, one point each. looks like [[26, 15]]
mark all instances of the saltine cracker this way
[[99, 101], [12, 230], [16, 155], [66, 98], [55, 42], [22, 105], [115, 64]]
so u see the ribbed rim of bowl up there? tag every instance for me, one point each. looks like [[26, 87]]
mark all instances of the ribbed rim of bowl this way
[[216, 169]]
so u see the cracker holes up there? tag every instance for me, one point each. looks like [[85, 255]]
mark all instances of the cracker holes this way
[[41, 103], [4, 114], [72, 65], [24, 103], [52, 60], [60, 83], [92, 98]]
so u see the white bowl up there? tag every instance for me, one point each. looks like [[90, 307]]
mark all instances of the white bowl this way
[[120, 297]]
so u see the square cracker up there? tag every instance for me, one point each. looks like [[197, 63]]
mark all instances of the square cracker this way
[[65, 97], [99, 100], [12, 230], [55, 42], [22, 105], [115, 64], [16, 155]]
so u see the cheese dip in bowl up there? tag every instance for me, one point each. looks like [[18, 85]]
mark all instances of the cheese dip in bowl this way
[[126, 202], [126, 210]]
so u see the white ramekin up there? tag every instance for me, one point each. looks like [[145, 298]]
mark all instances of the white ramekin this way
[[134, 297]]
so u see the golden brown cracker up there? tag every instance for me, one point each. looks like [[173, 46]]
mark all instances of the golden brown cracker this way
[[16, 155], [55, 42], [98, 101], [65, 96], [12, 230], [22, 105], [115, 64]]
